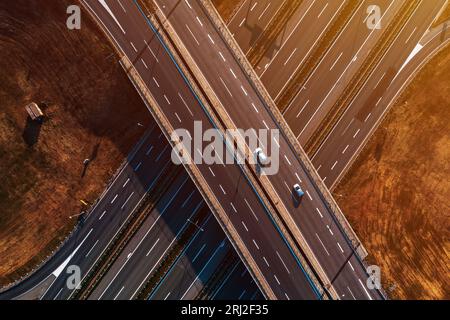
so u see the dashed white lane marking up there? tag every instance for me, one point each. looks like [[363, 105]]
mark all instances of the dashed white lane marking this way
[[309, 196], [278, 281], [223, 190], [298, 177], [126, 182], [320, 213], [211, 39], [212, 172], [324, 248], [167, 99], [379, 81], [134, 47], [329, 229], [267, 263], [287, 187], [126, 201], [188, 4], [287, 159], [232, 72], [351, 293], [287, 297], [254, 107], [334, 165], [232, 206], [156, 82], [253, 212], [244, 91], [192, 34], [199, 21], [161, 154], [351, 266], [256, 245], [138, 167], [101, 217], [221, 55], [265, 124], [262, 14], [282, 261], [245, 226], [185, 104], [178, 117], [356, 134], [225, 85], [346, 148], [114, 199], [121, 5], [151, 51], [339, 245], [187, 199], [145, 65], [367, 118]]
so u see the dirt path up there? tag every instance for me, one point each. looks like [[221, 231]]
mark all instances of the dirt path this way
[[92, 112], [397, 193]]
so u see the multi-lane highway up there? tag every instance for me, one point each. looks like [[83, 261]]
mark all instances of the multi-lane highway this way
[[122, 281], [131, 31], [327, 82], [376, 96], [246, 110], [337, 68], [304, 32], [143, 254], [313, 218]]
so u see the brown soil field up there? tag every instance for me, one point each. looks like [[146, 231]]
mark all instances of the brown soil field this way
[[92, 111], [397, 194], [227, 8]]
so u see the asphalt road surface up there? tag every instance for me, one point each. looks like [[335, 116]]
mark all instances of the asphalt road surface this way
[[129, 28], [340, 64], [314, 219], [377, 95]]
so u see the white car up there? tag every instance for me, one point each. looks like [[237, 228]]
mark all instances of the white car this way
[[298, 191], [261, 157]]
